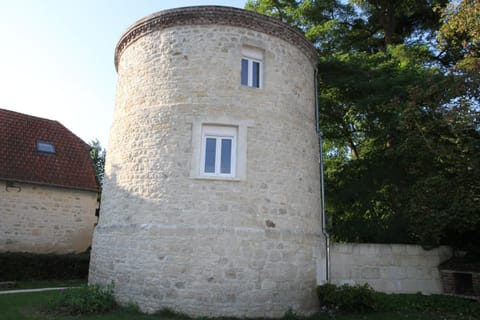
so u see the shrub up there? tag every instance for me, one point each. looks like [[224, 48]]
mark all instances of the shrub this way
[[327, 294], [428, 303], [357, 298], [15, 266], [85, 299], [167, 313]]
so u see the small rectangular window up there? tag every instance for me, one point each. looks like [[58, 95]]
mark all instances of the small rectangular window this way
[[251, 67], [45, 147], [251, 73], [218, 151]]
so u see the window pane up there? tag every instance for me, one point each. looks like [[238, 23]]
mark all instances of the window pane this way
[[226, 156], [256, 75], [45, 147], [245, 72], [210, 146]]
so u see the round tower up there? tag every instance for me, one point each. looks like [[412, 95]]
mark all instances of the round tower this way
[[211, 199]]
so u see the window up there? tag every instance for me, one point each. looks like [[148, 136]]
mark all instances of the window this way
[[251, 73], [45, 147], [219, 148], [251, 68], [218, 151]]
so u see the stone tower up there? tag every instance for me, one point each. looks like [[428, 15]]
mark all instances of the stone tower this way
[[211, 201]]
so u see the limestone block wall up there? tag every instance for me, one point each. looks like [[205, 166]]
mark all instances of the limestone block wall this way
[[170, 237], [43, 219], [391, 268]]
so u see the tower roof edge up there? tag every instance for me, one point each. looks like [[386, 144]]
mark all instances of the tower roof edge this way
[[215, 15]]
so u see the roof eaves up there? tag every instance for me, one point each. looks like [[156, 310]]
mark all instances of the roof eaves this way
[[50, 184]]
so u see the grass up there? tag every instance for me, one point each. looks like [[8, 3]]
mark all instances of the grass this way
[[31, 306]]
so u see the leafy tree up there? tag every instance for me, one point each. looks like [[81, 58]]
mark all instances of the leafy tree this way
[[98, 154], [459, 42], [392, 21], [399, 112]]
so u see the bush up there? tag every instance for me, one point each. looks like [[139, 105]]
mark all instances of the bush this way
[[85, 299], [428, 303], [167, 313], [16, 266], [357, 298]]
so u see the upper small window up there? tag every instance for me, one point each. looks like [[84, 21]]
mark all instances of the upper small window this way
[[252, 65], [46, 147]]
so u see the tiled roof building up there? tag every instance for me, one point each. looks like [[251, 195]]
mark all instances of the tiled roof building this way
[[43, 151], [48, 188]]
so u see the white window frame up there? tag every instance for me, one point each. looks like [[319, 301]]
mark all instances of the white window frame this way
[[219, 133], [252, 55], [241, 125]]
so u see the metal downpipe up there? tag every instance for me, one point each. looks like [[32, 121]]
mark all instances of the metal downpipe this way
[[322, 185]]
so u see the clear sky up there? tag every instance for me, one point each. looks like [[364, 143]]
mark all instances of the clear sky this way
[[56, 57]]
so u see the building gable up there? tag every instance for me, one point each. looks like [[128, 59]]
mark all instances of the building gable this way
[[43, 151]]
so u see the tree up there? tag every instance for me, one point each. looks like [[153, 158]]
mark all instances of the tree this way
[[98, 154], [399, 112], [393, 21], [459, 42]]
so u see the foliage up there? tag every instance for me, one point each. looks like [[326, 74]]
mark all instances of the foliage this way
[[459, 37], [98, 154], [362, 298], [356, 298], [398, 92], [167, 313], [28, 306], [439, 304], [16, 266], [84, 300]]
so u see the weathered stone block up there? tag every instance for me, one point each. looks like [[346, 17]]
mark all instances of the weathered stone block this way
[[371, 273]]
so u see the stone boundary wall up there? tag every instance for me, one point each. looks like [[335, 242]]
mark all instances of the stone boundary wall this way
[[391, 268]]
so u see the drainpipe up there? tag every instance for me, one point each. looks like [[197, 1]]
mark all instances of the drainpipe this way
[[322, 186]]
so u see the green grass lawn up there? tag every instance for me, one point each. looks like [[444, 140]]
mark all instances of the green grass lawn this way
[[31, 306], [23, 306]]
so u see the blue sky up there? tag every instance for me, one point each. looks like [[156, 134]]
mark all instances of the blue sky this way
[[56, 57]]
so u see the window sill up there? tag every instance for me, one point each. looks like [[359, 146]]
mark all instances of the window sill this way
[[250, 87], [218, 178]]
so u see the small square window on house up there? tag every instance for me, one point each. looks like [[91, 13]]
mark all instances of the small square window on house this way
[[45, 147], [218, 151], [252, 67]]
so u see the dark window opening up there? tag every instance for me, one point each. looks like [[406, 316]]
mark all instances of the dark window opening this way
[[463, 283]]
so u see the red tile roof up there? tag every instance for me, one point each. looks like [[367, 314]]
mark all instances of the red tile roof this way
[[70, 166]]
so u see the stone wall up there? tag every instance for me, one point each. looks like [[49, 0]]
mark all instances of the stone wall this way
[[42, 219], [392, 268], [206, 246]]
